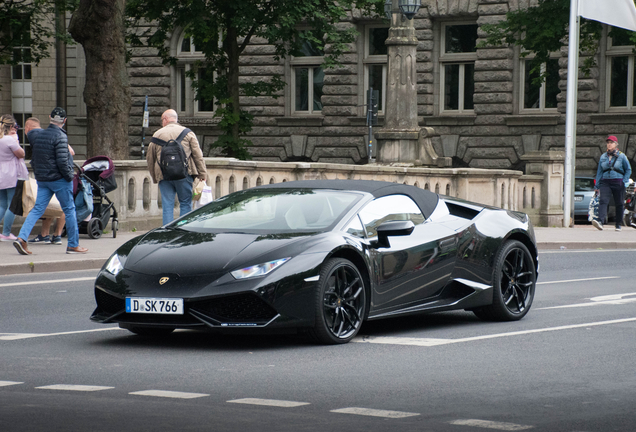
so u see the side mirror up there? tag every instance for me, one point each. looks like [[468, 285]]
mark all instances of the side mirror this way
[[392, 229]]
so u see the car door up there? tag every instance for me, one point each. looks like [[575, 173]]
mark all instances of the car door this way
[[414, 267]]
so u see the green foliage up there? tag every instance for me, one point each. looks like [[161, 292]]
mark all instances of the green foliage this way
[[222, 29], [29, 24], [541, 30]]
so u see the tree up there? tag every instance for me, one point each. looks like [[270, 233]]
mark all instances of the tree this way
[[543, 29], [222, 29], [99, 25]]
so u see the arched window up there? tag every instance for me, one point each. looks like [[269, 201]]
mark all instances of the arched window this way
[[187, 103]]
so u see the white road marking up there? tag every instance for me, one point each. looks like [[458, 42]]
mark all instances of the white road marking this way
[[491, 425], [169, 394], [427, 342], [9, 383], [269, 402], [613, 299], [70, 387], [47, 281], [374, 412], [578, 280], [18, 336]]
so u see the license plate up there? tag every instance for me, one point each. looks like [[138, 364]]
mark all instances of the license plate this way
[[578, 198], [148, 305]]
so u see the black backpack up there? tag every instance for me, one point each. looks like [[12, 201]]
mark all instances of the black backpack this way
[[173, 161]]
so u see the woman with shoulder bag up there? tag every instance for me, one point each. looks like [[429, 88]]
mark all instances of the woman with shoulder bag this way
[[612, 176], [12, 168]]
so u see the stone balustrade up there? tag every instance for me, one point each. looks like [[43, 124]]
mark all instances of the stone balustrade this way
[[538, 192]]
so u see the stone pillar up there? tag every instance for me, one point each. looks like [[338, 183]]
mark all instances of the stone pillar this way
[[401, 141], [549, 164]]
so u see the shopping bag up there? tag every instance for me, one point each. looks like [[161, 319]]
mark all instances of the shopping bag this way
[[592, 210], [16, 202], [206, 197], [29, 196], [197, 188]]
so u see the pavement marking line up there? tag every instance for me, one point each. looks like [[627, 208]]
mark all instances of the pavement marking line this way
[[578, 280], [169, 394], [374, 412], [612, 299], [268, 402], [71, 387], [426, 342], [9, 383], [19, 336], [490, 425], [47, 282]]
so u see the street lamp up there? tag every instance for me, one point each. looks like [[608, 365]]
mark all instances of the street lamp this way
[[409, 7], [388, 6]]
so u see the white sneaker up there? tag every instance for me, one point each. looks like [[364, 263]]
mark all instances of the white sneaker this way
[[597, 224], [10, 237], [618, 229]]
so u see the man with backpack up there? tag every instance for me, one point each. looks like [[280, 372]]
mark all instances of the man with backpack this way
[[174, 159], [612, 176]]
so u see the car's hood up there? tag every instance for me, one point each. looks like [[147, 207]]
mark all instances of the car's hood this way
[[191, 253]]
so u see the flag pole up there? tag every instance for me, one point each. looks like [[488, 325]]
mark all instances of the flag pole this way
[[570, 115]]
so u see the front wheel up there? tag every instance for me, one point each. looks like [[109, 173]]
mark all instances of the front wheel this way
[[514, 278], [341, 302]]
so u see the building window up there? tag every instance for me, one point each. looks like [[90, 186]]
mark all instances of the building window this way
[[620, 73], [539, 97], [457, 67], [375, 62], [307, 79], [187, 102], [22, 92]]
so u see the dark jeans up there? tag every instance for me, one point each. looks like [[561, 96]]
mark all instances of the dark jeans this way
[[609, 187]]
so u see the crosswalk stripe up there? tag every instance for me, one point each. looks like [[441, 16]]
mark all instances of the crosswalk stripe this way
[[374, 412], [490, 425], [9, 383], [268, 402], [19, 336], [71, 387], [169, 394]]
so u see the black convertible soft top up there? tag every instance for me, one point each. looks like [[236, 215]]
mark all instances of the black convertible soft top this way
[[426, 200]]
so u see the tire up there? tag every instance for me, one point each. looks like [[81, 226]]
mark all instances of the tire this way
[[514, 279], [151, 331], [115, 227], [94, 228], [629, 220], [341, 302]]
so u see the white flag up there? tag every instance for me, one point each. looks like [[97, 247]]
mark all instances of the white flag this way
[[618, 13]]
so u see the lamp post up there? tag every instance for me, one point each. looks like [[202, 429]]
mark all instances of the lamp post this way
[[402, 140]]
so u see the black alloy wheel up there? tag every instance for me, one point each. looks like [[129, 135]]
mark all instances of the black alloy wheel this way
[[341, 302], [514, 279]]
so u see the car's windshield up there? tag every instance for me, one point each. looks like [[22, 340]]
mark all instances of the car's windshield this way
[[583, 184], [271, 210]]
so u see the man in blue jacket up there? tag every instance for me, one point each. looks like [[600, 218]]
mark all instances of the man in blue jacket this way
[[612, 176], [52, 166]]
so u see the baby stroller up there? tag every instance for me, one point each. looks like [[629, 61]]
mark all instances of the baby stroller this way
[[91, 184]]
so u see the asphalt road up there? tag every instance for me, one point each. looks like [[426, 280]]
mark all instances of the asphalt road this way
[[568, 366]]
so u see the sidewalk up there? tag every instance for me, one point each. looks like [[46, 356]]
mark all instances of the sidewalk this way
[[51, 258]]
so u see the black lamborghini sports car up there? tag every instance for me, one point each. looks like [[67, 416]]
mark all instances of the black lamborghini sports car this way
[[321, 256]]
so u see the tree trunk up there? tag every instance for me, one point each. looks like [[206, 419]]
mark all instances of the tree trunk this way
[[233, 80], [99, 26]]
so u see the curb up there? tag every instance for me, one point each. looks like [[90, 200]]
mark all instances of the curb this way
[[51, 266], [542, 246]]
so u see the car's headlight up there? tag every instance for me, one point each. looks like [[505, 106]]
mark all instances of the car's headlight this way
[[114, 265], [258, 270]]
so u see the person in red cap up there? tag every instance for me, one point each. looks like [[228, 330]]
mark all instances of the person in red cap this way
[[612, 176]]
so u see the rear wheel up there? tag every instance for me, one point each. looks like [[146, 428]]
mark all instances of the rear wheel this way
[[514, 279], [151, 331], [341, 302], [94, 228]]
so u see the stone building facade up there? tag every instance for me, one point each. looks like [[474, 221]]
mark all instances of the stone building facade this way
[[481, 102]]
